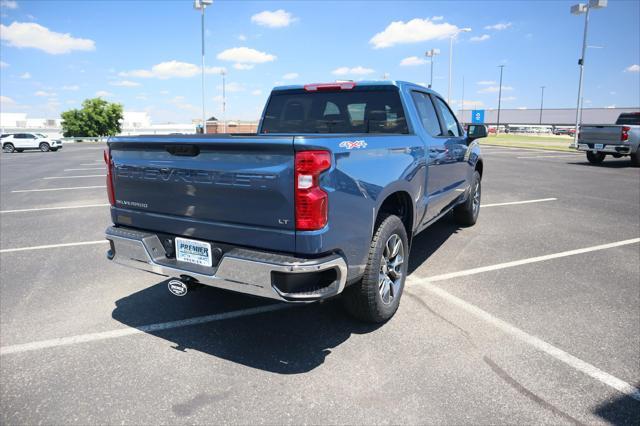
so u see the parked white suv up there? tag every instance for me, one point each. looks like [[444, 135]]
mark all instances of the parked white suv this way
[[13, 142]]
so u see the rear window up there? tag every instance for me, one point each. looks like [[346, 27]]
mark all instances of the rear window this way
[[631, 119], [360, 110]]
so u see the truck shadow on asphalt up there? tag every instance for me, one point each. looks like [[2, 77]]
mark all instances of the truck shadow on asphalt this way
[[293, 340]]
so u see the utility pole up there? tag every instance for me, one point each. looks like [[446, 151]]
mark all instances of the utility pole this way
[[499, 99], [541, 102], [432, 55]]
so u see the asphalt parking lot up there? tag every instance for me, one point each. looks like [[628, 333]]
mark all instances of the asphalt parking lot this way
[[532, 316]]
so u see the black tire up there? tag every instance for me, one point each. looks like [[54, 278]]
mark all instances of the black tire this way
[[44, 147], [635, 159], [595, 157], [8, 147], [466, 214], [365, 299]]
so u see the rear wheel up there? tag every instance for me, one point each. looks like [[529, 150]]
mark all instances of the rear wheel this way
[[376, 297], [466, 214], [8, 147], [44, 147], [635, 159], [595, 157]]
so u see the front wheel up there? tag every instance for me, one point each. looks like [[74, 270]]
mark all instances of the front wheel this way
[[595, 157], [376, 297], [44, 147], [466, 214], [8, 147]]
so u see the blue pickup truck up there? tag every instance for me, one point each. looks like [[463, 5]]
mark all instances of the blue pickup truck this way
[[323, 201]]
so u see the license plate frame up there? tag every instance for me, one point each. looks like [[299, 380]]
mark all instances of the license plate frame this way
[[195, 252]]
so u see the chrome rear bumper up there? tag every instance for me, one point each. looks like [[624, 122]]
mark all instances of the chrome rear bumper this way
[[242, 270], [607, 149]]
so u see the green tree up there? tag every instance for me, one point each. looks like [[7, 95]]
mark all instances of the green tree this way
[[97, 117]]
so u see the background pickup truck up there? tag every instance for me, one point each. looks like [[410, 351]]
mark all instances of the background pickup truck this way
[[323, 201], [617, 140]]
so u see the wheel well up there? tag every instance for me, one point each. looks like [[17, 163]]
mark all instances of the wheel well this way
[[399, 204], [479, 167]]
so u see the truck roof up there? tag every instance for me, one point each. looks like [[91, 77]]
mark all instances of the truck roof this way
[[397, 83]]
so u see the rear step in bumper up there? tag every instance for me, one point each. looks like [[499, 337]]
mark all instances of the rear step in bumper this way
[[240, 270]]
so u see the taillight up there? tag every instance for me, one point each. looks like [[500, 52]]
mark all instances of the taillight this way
[[311, 201], [624, 136], [109, 163]]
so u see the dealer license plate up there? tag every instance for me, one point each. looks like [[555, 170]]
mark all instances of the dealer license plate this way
[[192, 251]]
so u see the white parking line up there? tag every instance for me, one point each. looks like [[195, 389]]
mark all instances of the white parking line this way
[[513, 203], [552, 156], [511, 264], [72, 177], [82, 243], [54, 208], [557, 353], [83, 338], [87, 168], [60, 189]]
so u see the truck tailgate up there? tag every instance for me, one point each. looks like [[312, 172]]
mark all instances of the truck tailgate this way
[[226, 189], [600, 134]]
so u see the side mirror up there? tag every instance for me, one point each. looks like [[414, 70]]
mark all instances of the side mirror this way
[[476, 131]]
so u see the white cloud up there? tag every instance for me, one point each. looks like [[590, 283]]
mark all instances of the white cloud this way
[[3, 64], [5, 100], [243, 67], [468, 104], [486, 82], [103, 94], [256, 92], [164, 92], [359, 70], [26, 76], [437, 18], [23, 34], [124, 83], [291, 76], [483, 37], [499, 27], [214, 70], [242, 37], [72, 88], [42, 93], [413, 31], [8, 4], [245, 55], [495, 89], [508, 98], [412, 61], [233, 87], [633, 68], [276, 19], [170, 69]]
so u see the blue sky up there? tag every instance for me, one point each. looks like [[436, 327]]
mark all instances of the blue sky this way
[[146, 54]]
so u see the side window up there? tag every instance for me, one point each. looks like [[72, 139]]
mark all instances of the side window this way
[[19, 136], [29, 136], [427, 113], [450, 122]]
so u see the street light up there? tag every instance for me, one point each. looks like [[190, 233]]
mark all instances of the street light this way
[[541, 102], [499, 100], [431, 54], [579, 9], [454, 35], [201, 5]]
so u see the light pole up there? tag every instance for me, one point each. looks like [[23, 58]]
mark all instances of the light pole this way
[[201, 5], [462, 102], [224, 101], [579, 9], [541, 102], [431, 54], [499, 100], [454, 35]]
